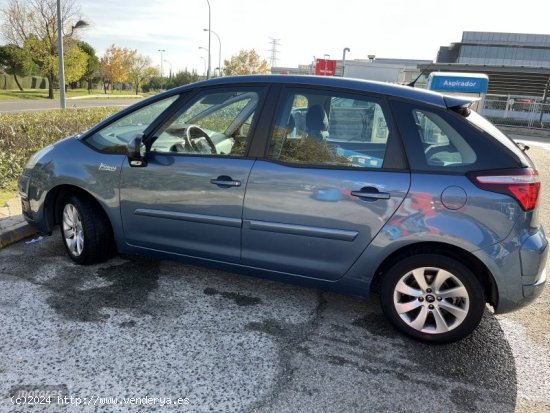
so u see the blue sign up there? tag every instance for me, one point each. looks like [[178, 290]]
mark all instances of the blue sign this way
[[452, 83]]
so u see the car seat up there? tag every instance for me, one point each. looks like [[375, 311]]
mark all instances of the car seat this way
[[316, 123]]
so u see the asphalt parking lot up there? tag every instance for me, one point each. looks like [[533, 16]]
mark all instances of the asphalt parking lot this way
[[211, 341]]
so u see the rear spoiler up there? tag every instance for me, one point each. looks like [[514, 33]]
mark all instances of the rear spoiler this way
[[459, 104]]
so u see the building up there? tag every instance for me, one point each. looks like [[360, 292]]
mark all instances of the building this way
[[380, 69], [517, 64]]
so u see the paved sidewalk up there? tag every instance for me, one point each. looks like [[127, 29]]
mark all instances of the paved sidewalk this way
[[13, 226]]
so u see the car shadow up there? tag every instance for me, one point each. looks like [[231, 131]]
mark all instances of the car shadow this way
[[351, 344]]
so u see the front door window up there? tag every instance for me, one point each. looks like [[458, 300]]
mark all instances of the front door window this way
[[214, 123]]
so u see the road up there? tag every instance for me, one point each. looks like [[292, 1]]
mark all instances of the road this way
[[228, 343], [22, 105]]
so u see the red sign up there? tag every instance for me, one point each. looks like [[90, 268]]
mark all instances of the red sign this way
[[325, 67]]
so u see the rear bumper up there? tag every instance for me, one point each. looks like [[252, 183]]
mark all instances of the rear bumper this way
[[532, 291], [533, 254], [518, 269]]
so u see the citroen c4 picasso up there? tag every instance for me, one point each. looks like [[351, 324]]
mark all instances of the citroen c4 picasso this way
[[342, 184]]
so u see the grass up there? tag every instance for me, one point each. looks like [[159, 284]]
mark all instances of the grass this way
[[28, 94], [35, 94], [8, 193]]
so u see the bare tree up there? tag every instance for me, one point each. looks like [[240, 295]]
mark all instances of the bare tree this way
[[33, 24]]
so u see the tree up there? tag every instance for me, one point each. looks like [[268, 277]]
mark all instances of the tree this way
[[115, 65], [183, 78], [92, 64], [246, 62], [15, 61], [76, 61], [140, 69], [33, 24]]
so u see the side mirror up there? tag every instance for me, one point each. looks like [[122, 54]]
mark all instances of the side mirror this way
[[135, 156]]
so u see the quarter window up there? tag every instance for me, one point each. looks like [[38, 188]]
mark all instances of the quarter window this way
[[115, 137], [323, 129], [443, 145]]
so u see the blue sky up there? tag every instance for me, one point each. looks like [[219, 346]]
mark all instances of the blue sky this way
[[306, 28]]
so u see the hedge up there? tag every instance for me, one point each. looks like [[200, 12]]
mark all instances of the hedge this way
[[22, 134]]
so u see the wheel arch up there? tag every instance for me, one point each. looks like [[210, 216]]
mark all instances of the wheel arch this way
[[479, 269], [54, 202]]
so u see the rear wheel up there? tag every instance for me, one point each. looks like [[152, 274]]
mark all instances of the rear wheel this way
[[85, 231], [432, 298]]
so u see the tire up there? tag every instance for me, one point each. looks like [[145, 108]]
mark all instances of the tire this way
[[85, 231], [432, 298]]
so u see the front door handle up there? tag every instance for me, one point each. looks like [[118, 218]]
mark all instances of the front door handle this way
[[225, 181], [370, 192]]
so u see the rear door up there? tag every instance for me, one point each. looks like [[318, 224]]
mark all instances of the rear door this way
[[334, 174]]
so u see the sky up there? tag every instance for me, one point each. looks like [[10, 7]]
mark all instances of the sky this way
[[305, 28]]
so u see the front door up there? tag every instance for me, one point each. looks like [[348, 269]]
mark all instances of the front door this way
[[188, 199]]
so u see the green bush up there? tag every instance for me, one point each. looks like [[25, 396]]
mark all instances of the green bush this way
[[22, 134]]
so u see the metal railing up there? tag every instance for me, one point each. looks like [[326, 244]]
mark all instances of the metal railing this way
[[521, 112]]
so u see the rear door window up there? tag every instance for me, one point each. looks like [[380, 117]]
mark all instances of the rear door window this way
[[331, 129]]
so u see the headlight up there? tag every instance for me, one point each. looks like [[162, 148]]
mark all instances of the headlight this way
[[36, 157]]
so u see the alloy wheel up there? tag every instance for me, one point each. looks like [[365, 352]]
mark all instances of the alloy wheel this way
[[431, 300], [73, 232]]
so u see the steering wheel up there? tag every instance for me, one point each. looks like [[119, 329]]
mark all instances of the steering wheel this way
[[195, 132]]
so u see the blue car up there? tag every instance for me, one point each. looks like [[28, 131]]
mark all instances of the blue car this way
[[340, 184]]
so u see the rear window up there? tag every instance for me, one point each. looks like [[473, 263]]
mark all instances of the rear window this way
[[440, 140]]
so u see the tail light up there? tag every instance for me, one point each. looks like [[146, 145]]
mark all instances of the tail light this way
[[523, 184]]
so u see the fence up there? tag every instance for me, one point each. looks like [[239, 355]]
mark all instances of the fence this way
[[521, 112], [7, 82]]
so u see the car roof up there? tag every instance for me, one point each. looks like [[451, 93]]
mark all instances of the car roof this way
[[400, 91]]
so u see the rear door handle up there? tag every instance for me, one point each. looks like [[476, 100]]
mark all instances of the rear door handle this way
[[225, 182], [370, 192]]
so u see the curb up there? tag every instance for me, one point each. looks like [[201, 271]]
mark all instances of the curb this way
[[16, 233], [105, 97]]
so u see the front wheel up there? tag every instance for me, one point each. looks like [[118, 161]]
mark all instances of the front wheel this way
[[432, 298], [85, 231]]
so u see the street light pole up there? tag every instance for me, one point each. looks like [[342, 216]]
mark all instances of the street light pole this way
[[161, 67], [346, 49], [62, 102], [209, 36], [220, 50], [61, 55]]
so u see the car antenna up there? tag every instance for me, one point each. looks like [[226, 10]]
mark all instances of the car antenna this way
[[411, 84]]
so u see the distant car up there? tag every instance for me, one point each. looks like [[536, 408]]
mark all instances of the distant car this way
[[341, 184]]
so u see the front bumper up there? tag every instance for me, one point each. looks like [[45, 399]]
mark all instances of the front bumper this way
[[31, 216]]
